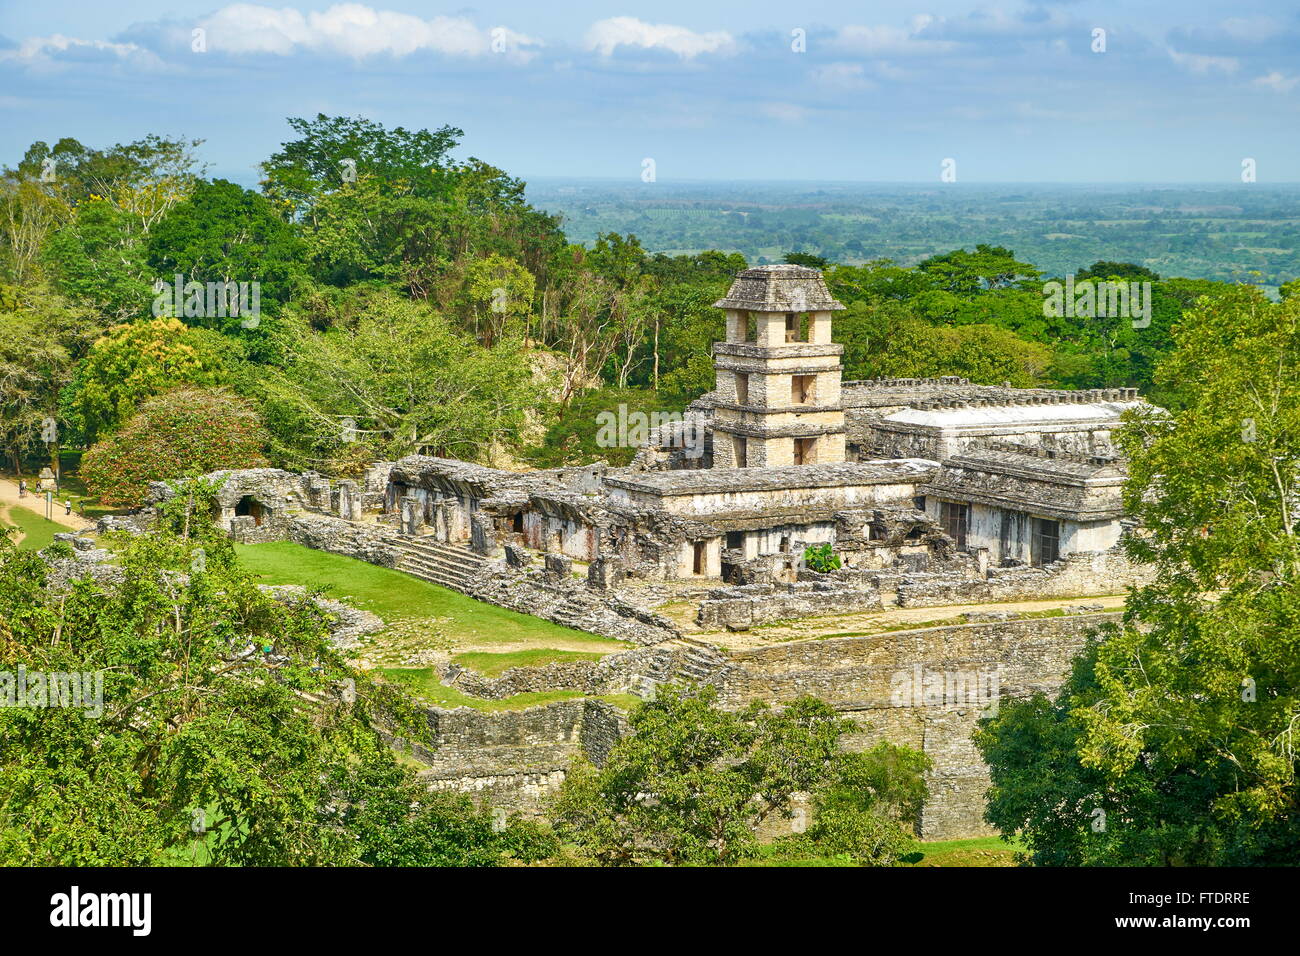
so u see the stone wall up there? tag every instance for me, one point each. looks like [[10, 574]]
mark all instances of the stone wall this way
[[568, 601], [514, 759], [1105, 572], [907, 687], [372, 543], [741, 608]]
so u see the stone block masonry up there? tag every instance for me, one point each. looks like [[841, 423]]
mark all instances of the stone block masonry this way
[[1105, 572], [883, 681], [513, 759]]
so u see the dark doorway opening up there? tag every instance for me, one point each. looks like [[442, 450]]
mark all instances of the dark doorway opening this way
[[250, 507], [955, 517], [1045, 545]]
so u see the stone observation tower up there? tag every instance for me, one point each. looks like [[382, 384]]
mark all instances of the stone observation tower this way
[[778, 391]]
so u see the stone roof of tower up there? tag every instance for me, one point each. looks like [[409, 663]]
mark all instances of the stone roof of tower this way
[[779, 288]]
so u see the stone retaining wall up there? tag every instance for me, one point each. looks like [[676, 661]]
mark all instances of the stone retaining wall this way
[[750, 605], [514, 759], [1106, 572], [883, 681]]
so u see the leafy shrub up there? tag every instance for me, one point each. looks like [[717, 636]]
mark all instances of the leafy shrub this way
[[180, 432], [821, 558]]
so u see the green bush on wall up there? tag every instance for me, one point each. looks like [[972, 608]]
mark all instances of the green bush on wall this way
[[821, 558]]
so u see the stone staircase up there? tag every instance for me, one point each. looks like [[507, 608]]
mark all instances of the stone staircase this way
[[446, 564], [700, 661], [679, 661]]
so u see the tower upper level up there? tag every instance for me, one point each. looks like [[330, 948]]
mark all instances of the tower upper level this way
[[777, 400], [779, 305]]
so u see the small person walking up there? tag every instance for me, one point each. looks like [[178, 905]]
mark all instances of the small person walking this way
[[67, 506], [22, 487]]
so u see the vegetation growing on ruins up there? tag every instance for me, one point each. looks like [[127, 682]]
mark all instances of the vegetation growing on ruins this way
[[415, 302], [693, 782], [226, 720]]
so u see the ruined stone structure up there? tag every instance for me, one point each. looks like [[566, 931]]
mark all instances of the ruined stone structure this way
[[778, 397], [931, 492], [964, 473]]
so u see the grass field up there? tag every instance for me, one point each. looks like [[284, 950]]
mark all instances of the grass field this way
[[398, 597], [422, 616], [980, 851], [494, 665], [37, 532]]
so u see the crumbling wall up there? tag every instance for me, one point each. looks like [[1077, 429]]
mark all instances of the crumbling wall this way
[[1076, 575], [370, 543], [750, 605], [516, 759]]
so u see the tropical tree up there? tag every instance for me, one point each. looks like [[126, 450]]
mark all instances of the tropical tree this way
[[215, 723], [135, 361], [397, 379], [692, 782]]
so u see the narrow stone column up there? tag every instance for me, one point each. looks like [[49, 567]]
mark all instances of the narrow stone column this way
[[412, 515], [482, 535], [349, 502]]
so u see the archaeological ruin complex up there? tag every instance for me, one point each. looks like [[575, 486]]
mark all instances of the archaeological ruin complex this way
[[932, 493]]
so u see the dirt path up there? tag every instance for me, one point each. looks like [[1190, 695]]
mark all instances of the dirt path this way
[[889, 619], [36, 504]]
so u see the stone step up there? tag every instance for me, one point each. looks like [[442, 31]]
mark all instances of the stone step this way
[[444, 551], [439, 569], [446, 565], [460, 582], [445, 582]]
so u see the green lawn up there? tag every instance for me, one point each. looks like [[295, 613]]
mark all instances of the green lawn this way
[[981, 851], [424, 683], [39, 533], [397, 597], [494, 665]]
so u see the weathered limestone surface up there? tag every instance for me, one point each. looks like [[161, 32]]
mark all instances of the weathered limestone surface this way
[[514, 759], [747, 606], [371, 543], [1105, 572]]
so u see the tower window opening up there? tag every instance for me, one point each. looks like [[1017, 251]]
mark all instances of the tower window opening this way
[[803, 389]]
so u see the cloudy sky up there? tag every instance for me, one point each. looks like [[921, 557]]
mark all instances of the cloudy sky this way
[[1180, 91]]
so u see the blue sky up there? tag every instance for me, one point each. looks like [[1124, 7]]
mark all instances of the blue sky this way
[[1183, 91]]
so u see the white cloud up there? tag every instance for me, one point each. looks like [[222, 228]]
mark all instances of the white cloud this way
[[607, 35], [1277, 81], [1202, 63], [785, 112], [45, 50], [351, 29]]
